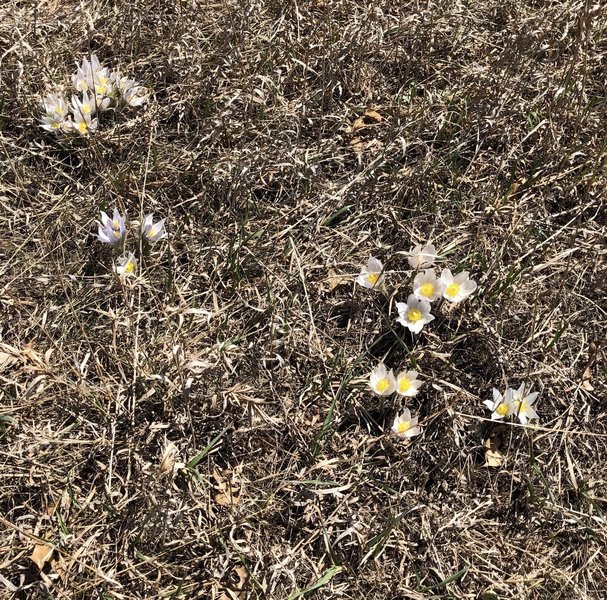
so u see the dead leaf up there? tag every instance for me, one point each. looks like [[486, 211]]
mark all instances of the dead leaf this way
[[357, 145], [493, 444], [227, 492], [371, 117], [41, 554], [336, 279], [586, 380]]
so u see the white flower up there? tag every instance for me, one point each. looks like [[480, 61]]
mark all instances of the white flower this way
[[405, 426], [422, 258], [382, 381], [111, 231], [427, 287], [53, 124], [457, 288], [83, 78], [501, 406], [153, 231], [407, 383], [55, 105], [523, 404], [84, 108], [371, 276], [83, 124], [136, 95], [127, 265], [414, 314]]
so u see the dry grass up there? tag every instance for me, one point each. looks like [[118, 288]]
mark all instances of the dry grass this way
[[206, 431]]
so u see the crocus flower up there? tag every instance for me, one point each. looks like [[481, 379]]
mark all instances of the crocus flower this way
[[85, 108], [55, 105], [83, 78], [457, 288], [153, 231], [54, 124], [405, 426], [422, 258], [414, 314], [427, 287], [523, 404], [127, 265], [136, 95], [501, 406], [83, 125], [407, 383], [371, 276], [382, 381], [111, 231]]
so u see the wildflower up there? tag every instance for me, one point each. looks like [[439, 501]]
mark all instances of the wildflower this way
[[54, 124], [382, 381], [371, 276], [127, 265], [136, 95], [457, 288], [414, 314], [82, 80], [523, 404], [405, 426], [501, 406], [422, 258], [407, 383], [56, 106], [85, 108], [427, 287], [111, 231], [82, 124], [153, 231]]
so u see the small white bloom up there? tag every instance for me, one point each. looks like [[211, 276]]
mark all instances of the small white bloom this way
[[53, 124], [501, 406], [427, 287], [136, 95], [422, 258], [371, 276], [153, 231], [55, 105], [382, 381], [523, 404], [84, 108], [405, 426], [457, 288], [127, 265], [83, 78], [414, 314], [84, 124], [407, 383], [111, 230]]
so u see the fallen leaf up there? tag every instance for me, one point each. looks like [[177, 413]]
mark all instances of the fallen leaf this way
[[227, 493], [357, 145], [41, 554], [336, 279], [371, 117], [493, 444], [586, 380]]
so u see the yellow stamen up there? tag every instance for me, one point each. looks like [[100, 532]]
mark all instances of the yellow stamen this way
[[452, 289], [151, 232], [382, 385], [101, 89], [55, 124], [129, 267], [403, 385], [82, 127], [403, 427], [116, 224], [58, 110], [427, 289], [502, 409], [520, 406], [116, 234], [372, 278], [86, 108], [414, 315]]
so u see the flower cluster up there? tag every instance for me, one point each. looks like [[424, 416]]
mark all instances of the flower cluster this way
[[112, 230], [405, 384], [427, 287], [513, 402], [97, 90]]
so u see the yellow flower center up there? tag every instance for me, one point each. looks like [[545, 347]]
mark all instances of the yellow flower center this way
[[151, 232], [58, 110], [382, 385], [116, 224], [82, 127], [86, 108], [502, 409], [372, 278], [452, 289], [101, 89], [427, 289], [102, 79], [129, 267], [414, 315], [116, 234], [403, 385], [520, 406], [55, 124], [403, 427]]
